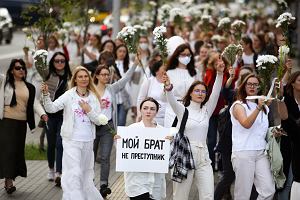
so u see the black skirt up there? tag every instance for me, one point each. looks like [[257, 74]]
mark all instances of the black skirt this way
[[12, 145]]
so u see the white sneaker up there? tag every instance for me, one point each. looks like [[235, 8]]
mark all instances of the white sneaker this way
[[51, 175]]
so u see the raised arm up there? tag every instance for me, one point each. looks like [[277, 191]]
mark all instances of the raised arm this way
[[120, 84], [177, 107], [214, 96]]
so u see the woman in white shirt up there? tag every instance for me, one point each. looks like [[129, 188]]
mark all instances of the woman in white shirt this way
[[200, 107], [91, 52], [81, 113], [108, 102], [182, 74], [154, 87], [249, 128], [145, 185]]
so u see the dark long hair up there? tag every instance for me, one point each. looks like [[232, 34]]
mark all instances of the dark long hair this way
[[108, 41], [187, 98], [289, 86], [173, 61], [67, 70], [241, 92], [126, 59], [10, 79]]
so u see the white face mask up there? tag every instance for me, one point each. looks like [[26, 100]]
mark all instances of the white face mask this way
[[184, 60], [144, 46]]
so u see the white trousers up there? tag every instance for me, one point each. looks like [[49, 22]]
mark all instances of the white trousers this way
[[203, 175], [252, 167], [295, 192], [78, 171]]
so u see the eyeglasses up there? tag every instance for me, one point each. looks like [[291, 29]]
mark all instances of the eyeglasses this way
[[198, 92], [104, 74], [252, 85], [18, 68], [60, 61]]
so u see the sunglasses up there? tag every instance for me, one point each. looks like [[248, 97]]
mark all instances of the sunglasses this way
[[59, 61], [18, 68]]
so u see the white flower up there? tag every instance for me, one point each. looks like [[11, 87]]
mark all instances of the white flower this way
[[285, 17], [224, 21], [175, 11], [238, 23], [50, 10], [159, 31], [67, 25], [152, 3], [25, 30], [91, 11], [216, 38], [166, 7], [39, 53], [148, 24], [282, 2], [266, 59], [103, 120], [283, 50], [206, 17]]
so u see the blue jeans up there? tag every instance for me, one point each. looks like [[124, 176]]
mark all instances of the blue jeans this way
[[104, 140], [54, 143], [284, 194], [122, 115]]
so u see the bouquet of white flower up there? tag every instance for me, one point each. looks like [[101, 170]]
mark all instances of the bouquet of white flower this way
[[164, 13], [205, 23], [176, 16], [131, 37], [283, 21], [141, 30], [237, 28], [266, 66], [231, 51], [161, 41], [224, 24], [40, 62], [283, 51]]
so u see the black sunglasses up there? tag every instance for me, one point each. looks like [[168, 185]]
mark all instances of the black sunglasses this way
[[60, 61], [19, 68]]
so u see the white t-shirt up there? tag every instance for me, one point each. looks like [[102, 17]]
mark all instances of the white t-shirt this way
[[83, 125], [248, 59], [91, 50], [106, 104]]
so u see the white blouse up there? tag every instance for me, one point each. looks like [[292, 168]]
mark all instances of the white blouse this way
[[244, 139]]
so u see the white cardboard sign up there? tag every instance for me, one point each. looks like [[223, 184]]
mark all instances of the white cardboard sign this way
[[142, 150]]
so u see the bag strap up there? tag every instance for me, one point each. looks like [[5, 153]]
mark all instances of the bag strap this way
[[183, 122]]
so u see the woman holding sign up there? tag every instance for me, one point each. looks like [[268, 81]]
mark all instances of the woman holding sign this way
[[249, 128], [200, 107], [145, 185]]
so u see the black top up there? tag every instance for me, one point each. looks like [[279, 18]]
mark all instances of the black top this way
[[292, 127]]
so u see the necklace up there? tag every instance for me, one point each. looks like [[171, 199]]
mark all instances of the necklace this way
[[81, 94]]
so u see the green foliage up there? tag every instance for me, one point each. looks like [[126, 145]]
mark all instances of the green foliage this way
[[32, 152]]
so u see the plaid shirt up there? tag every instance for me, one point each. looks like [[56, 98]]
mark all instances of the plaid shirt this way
[[181, 153]]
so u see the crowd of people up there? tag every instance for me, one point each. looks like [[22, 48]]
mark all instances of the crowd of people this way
[[225, 129]]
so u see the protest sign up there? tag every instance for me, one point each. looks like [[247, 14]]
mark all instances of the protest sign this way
[[142, 150]]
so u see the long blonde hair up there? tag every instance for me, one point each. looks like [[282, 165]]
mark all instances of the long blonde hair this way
[[91, 87]]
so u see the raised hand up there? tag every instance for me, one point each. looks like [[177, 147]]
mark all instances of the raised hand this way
[[220, 66], [44, 88]]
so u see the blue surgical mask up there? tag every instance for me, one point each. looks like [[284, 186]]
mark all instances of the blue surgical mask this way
[[184, 59]]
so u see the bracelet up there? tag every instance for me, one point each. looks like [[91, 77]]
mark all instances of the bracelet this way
[[168, 87], [258, 108]]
